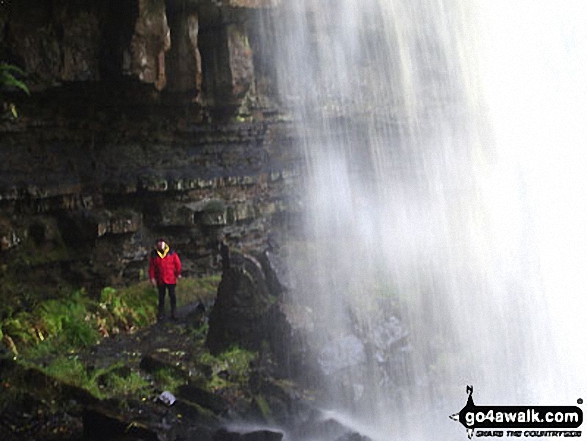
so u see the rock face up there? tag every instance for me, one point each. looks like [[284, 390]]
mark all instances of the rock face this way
[[185, 60], [150, 40], [197, 51], [258, 435], [49, 51], [152, 118], [251, 311], [146, 119], [84, 208], [240, 314]]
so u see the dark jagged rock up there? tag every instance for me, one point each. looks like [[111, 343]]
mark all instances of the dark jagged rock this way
[[206, 399], [317, 426], [248, 312], [241, 308], [279, 402], [274, 269], [6, 359], [100, 424], [258, 435], [161, 360], [36, 378]]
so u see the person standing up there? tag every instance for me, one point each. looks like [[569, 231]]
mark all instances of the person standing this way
[[164, 270]]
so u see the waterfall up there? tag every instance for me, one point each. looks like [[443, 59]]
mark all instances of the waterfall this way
[[444, 204]]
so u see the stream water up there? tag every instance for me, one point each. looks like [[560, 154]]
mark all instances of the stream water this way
[[445, 201]]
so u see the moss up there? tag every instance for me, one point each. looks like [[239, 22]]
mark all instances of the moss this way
[[71, 370], [228, 370], [214, 206], [202, 289], [263, 407], [68, 321], [195, 412], [77, 321], [125, 309], [39, 241], [48, 337], [113, 381], [168, 379]]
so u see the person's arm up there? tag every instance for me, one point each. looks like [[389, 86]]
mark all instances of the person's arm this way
[[177, 266], [152, 271]]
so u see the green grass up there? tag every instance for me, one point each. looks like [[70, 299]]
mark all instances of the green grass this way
[[53, 331], [77, 321], [230, 369], [168, 379], [71, 371], [202, 289], [126, 309], [264, 407], [113, 382], [103, 383], [8, 79], [64, 324], [66, 321]]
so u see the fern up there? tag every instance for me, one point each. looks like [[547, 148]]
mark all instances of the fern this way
[[7, 78]]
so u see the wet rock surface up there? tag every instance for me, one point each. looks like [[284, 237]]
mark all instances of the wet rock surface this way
[[242, 305], [145, 119], [88, 211], [212, 399], [258, 435], [169, 346]]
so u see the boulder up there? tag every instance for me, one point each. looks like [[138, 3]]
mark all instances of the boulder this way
[[250, 311], [239, 315], [257, 435], [100, 423], [162, 359], [321, 426], [204, 398]]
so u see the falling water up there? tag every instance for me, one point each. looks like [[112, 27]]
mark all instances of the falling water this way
[[445, 203]]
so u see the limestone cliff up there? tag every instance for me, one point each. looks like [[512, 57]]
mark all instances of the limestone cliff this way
[[146, 119]]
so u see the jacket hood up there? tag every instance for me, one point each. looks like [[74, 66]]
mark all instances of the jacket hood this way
[[162, 253]]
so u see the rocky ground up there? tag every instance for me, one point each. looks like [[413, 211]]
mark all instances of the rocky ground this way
[[225, 370], [47, 408]]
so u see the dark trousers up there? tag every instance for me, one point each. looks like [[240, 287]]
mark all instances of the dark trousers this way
[[172, 299]]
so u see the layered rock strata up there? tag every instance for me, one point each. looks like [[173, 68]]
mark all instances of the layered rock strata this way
[[146, 119]]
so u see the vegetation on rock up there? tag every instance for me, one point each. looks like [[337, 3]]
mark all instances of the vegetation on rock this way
[[77, 321], [8, 80]]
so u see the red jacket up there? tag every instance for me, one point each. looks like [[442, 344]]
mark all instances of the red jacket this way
[[164, 267]]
